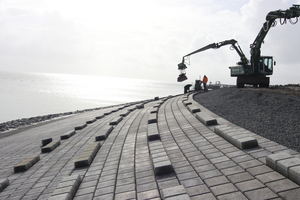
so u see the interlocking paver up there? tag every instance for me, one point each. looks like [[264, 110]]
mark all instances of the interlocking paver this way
[[205, 164]]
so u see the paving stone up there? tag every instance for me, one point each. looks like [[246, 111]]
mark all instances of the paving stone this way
[[283, 166], [87, 156], [103, 132], [116, 120], [216, 181], [290, 194], [232, 170], [262, 193], [249, 164], [210, 174], [272, 159], [249, 185], [233, 196], [197, 190], [223, 189], [207, 196], [67, 135], [173, 191], [46, 141], [269, 177], [3, 184], [26, 163], [259, 170], [150, 194], [206, 119], [50, 147], [179, 197], [146, 186], [80, 127], [191, 182], [192, 108], [282, 185]]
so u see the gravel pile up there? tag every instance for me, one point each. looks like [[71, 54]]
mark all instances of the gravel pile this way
[[266, 112]]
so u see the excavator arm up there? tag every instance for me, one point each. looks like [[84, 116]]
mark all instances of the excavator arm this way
[[283, 15], [232, 42]]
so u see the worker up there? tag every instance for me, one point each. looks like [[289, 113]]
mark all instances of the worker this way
[[204, 81]]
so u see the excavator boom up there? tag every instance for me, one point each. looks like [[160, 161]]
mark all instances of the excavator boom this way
[[232, 42]]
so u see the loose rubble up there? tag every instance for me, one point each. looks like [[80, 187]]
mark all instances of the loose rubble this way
[[271, 113]]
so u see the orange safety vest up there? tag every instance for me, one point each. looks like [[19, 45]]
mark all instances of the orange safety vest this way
[[205, 79]]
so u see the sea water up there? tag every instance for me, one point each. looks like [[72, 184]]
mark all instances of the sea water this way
[[25, 95]]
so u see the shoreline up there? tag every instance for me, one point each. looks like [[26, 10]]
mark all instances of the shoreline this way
[[15, 125]]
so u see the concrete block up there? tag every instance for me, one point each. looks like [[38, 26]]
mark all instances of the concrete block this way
[[152, 118], [156, 105], [67, 188], [88, 155], [91, 121], [163, 167], [3, 184], [80, 127], [154, 110], [153, 136], [206, 119], [26, 163], [246, 143], [46, 141], [187, 103], [294, 174], [140, 106], [193, 109], [284, 165], [124, 114], [107, 113], [104, 132], [100, 116], [67, 135], [272, 159], [237, 137], [50, 147], [173, 191], [116, 120]]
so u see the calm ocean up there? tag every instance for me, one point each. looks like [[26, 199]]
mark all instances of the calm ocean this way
[[25, 95]]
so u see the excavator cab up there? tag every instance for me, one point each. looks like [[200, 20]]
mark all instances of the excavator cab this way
[[265, 66]]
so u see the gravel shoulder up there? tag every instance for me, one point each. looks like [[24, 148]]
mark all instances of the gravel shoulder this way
[[271, 113]]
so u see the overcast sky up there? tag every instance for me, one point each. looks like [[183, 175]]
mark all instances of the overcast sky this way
[[142, 39]]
